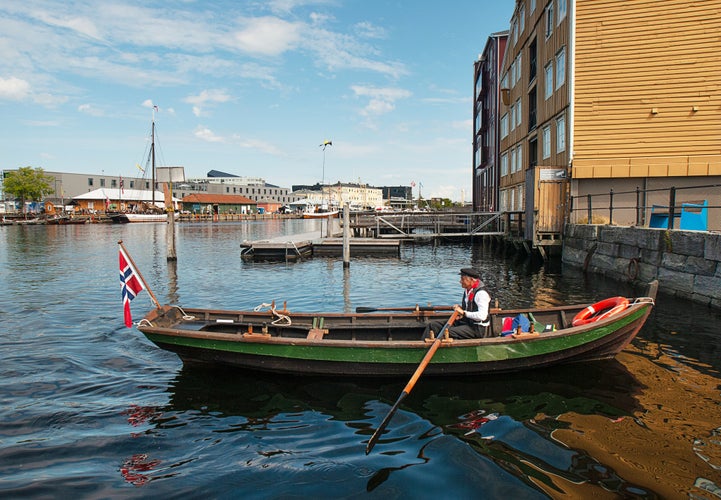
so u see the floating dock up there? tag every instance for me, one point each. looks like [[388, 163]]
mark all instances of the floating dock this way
[[301, 246]]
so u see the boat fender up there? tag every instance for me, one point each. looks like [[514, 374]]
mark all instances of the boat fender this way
[[600, 310]]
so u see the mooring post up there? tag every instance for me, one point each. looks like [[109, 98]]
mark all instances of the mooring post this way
[[346, 235]]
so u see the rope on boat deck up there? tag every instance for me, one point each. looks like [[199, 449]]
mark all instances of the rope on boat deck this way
[[281, 317], [643, 300], [186, 317]]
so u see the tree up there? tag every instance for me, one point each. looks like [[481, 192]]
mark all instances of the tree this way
[[27, 183]]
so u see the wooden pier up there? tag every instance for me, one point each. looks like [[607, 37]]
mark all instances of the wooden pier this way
[[381, 234]]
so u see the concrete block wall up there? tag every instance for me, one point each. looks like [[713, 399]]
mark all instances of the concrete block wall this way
[[686, 263]]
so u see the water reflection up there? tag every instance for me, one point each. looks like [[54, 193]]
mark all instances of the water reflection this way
[[508, 420]]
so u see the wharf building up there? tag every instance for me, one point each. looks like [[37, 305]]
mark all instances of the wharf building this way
[[67, 186], [581, 98]]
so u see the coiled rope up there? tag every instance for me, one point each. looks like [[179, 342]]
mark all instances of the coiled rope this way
[[271, 307]]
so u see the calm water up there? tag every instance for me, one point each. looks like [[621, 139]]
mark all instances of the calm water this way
[[93, 410]]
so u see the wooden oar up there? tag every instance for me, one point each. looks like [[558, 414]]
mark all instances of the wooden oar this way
[[412, 382], [417, 308]]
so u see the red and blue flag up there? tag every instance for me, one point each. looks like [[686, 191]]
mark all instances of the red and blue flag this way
[[130, 285]]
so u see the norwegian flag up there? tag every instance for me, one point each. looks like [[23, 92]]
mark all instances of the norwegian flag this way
[[130, 285]]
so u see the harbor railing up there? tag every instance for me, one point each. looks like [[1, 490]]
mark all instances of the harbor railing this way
[[685, 207]]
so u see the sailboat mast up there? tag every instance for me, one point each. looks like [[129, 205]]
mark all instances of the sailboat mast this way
[[152, 158]]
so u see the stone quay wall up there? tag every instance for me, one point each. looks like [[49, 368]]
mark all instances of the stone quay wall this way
[[687, 264]]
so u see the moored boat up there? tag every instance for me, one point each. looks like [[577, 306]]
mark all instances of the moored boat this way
[[126, 217], [389, 343], [321, 214]]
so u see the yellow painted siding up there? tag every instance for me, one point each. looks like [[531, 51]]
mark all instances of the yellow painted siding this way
[[647, 88]]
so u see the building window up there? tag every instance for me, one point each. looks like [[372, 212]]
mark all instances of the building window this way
[[113, 183], [561, 67], [514, 160], [561, 134], [549, 20], [519, 161], [132, 184], [515, 70], [504, 126], [90, 181], [518, 113], [521, 18], [532, 109], [561, 10], [546, 142], [504, 164], [548, 83], [532, 5], [532, 61], [532, 152], [512, 113], [521, 197]]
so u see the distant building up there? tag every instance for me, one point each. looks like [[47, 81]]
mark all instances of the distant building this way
[[69, 185], [217, 204], [254, 188], [358, 196], [398, 197]]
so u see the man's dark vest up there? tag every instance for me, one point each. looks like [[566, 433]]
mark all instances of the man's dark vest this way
[[473, 307]]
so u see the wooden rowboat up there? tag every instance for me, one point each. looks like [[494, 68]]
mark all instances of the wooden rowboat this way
[[387, 343]]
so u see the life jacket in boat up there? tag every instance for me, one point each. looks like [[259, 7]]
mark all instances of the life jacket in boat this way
[[469, 304]]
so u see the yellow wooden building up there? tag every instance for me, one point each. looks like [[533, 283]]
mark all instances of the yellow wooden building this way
[[609, 95]]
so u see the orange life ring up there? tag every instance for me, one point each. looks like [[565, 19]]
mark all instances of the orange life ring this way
[[600, 310]]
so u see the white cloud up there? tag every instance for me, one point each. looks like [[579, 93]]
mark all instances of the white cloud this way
[[14, 89], [257, 144], [369, 30], [206, 98], [89, 109], [82, 25], [268, 36], [207, 135], [380, 100]]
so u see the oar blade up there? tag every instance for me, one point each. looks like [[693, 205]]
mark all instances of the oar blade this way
[[379, 431]]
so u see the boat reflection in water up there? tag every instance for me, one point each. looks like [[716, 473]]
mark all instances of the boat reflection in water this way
[[507, 421]]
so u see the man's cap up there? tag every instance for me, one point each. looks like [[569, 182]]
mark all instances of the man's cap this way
[[469, 271]]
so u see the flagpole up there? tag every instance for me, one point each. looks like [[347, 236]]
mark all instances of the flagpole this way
[[145, 283]]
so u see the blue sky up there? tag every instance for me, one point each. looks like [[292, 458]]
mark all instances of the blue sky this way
[[247, 87]]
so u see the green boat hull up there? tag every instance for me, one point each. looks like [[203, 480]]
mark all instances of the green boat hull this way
[[352, 357]]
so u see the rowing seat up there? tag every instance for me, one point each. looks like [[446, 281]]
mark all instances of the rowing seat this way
[[317, 333]]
